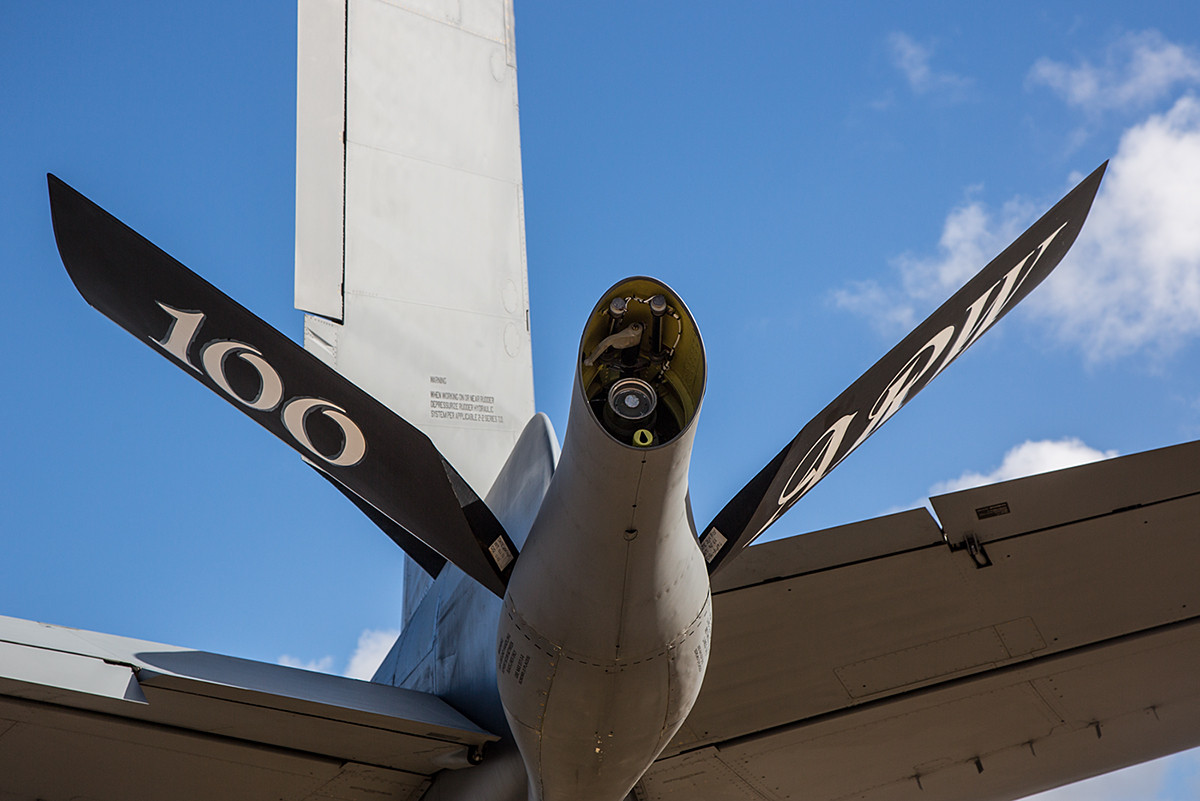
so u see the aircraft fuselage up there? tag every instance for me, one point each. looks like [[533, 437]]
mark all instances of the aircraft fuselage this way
[[604, 634]]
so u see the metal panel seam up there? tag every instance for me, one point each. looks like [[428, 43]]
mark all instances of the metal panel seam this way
[[430, 162], [416, 13], [206, 735], [1076, 521], [427, 735], [818, 570], [381, 296], [345, 143], [1014, 667]]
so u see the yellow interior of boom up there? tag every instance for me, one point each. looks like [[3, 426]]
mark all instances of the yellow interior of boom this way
[[670, 356]]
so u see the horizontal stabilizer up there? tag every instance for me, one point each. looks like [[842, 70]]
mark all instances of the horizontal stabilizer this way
[[90, 715], [364, 446], [904, 371]]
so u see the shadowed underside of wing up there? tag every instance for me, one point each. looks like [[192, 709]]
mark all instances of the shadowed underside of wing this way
[[1049, 633], [86, 715]]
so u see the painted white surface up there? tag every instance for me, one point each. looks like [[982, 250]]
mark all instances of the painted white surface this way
[[435, 305]]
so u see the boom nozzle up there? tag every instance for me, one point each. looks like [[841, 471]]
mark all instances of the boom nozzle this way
[[642, 390]]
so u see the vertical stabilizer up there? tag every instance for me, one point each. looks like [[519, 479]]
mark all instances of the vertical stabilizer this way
[[410, 248]]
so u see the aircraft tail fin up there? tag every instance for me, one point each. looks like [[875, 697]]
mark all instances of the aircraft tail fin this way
[[410, 248]]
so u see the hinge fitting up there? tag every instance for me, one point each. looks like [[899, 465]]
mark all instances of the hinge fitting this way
[[974, 548]]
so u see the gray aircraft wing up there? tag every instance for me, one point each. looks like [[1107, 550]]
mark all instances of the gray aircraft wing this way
[[1050, 632], [95, 716]]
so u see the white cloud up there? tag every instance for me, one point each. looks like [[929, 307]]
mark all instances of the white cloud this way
[[1130, 283], [912, 59], [1028, 459], [373, 646], [321, 665], [971, 236], [1138, 69], [869, 299]]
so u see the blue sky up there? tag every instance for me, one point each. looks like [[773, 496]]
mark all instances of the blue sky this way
[[810, 181]]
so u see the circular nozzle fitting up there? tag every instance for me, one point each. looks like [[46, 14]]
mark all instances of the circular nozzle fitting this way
[[630, 408], [632, 399]]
